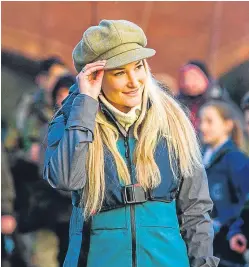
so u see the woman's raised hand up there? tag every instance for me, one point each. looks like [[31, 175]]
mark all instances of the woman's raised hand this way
[[90, 79]]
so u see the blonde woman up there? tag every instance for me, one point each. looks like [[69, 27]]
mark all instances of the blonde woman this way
[[129, 154]]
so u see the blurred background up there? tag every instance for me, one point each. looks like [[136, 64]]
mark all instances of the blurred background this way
[[216, 32], [37, 70]]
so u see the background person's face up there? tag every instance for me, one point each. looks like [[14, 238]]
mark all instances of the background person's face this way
[[123, 87], [61, 95], [194, 82], [55, 72], [214, 129]]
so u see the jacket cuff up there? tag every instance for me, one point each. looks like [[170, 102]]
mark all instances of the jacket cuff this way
[[210, 261], [235, 228], [83, 112]]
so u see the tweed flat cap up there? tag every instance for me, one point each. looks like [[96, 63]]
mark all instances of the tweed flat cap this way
[[120, 42]]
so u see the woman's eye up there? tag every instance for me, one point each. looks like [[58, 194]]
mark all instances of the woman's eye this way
[[139, 66], [119, 73]]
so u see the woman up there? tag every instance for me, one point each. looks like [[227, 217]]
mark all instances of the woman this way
[[223, 159], [122, 144]]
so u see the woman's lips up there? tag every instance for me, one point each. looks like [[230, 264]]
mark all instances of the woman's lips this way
[[131, 93]]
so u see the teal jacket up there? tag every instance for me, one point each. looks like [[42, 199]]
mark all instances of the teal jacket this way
[[163, 231]]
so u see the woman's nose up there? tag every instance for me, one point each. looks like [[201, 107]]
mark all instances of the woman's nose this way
[[133, 81]]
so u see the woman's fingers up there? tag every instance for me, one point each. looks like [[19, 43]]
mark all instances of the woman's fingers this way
[[90, 79], [91, 70], [99, 75], [93, 65]]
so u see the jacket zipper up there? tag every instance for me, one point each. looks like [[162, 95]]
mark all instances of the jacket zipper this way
[[132, 207], [127, 155]]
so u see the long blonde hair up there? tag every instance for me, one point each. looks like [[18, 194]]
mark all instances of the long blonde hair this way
[[169, 122]]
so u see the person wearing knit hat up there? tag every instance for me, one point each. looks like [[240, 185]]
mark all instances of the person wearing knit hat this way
[[194, 78], [130, 156], [197, 86]]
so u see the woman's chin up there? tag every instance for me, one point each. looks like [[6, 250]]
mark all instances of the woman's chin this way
[[133, 101]]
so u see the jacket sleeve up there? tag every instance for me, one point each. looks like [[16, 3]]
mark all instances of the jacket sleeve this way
[[241, 178], [67, 145], [235, 228], [193, 206], [238, 168]]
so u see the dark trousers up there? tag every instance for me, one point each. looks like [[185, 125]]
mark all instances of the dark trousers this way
[[61, 230]]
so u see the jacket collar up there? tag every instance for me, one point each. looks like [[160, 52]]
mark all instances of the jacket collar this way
[[74, 91], [226, 147], [112, 118]]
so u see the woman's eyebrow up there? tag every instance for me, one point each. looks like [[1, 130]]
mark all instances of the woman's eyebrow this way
[[138, 62], [118, 69]]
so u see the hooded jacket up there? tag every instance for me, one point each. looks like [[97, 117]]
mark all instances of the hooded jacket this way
[[161, 231]]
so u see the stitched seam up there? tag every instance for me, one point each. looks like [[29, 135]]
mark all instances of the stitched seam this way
[[117, 32], [88, 43]]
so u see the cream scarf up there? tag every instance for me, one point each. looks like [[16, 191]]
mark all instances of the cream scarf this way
[[125, 119]]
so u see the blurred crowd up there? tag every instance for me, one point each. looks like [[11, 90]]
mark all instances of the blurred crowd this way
[[36, 218], [35, 212]]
